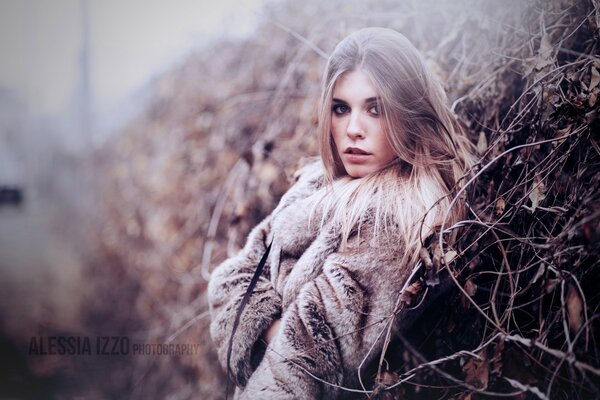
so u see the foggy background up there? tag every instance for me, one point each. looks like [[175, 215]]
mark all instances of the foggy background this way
[[73, 72]]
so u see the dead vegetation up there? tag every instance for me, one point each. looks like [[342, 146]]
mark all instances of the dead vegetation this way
[[185, 182]]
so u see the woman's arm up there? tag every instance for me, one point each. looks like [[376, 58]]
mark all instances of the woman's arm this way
[[228, 284], [267, 335], [230, 280], [335, 325]]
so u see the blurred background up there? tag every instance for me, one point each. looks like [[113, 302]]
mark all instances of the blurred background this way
[[141, 140]]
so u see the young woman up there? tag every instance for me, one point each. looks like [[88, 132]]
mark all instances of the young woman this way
[[344, 239]]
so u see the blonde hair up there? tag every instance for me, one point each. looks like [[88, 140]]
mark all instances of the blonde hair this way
[[412, 194]]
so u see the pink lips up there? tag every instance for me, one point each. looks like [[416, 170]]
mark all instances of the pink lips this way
[[355, 150], [356, 155]]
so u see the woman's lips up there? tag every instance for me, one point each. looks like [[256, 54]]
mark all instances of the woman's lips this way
[[356, 155]]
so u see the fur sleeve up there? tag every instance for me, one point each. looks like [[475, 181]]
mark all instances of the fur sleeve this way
[[335, 325], [229, 282], [227, 286]]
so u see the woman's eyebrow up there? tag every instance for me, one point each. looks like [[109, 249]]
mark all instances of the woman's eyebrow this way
[[368, 100]]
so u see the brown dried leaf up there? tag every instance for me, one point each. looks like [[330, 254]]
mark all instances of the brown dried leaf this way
[[574, 308], [537, 194], [595, 79], [449, 256], [482, 143], [551, 284], [437, 256], [425, 258], [470, 287], [411, 292], [584, 86], [580, 101], [500, 206], [388, 378], [516, 365], [496, 360], [550, 94], [561, 133], [528, 65], [474, 263], [592, 98], [477, 371], [544, 53], [591, 116]]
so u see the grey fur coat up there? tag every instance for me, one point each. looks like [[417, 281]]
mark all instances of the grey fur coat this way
[[335, 305]]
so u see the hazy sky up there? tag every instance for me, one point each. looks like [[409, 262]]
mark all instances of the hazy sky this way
[[130, 41]]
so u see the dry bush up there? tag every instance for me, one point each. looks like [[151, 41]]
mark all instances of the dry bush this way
[[525, 319], [211, 155]]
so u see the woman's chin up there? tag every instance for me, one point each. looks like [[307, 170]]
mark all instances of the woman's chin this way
[[358, 171]]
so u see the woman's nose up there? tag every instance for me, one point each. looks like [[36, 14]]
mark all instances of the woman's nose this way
[[355, 128]]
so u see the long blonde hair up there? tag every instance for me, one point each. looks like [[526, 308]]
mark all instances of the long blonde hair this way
[[413, 194]]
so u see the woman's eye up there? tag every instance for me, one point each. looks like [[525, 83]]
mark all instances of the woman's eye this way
[[340, 109], [374, 109]]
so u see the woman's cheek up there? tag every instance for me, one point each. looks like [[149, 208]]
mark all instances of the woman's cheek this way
[[335, 132]]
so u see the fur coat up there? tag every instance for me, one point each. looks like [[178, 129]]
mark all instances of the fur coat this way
[[335, 304]]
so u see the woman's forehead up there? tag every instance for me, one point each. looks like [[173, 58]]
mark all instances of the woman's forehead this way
[[354, 84]]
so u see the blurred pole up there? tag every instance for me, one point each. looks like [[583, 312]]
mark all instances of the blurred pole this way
[[84, 108]]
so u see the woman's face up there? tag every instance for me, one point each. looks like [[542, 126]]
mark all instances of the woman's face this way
[[357, 125]]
